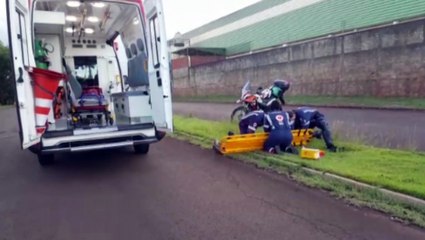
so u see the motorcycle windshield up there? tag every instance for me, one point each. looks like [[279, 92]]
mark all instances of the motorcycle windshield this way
[[246, 89]]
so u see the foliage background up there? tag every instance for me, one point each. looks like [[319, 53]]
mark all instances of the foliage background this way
[[7, 91]]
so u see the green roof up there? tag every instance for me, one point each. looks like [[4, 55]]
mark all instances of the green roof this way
[[319, 19], [247, 11]]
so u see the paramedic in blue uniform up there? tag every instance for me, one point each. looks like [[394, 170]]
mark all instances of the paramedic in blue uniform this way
[[304, 117], [251, 121], [276, 123]]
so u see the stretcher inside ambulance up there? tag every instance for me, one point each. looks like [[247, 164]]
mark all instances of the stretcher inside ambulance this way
[[89, 74]]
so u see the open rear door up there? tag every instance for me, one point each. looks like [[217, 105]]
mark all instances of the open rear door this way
[[159, 66], [20, 45]]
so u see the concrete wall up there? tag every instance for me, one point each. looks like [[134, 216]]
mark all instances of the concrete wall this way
[[384, 62], [183, 62]]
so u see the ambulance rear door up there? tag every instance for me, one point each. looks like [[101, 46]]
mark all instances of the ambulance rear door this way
[[22, 57], [159, 66]]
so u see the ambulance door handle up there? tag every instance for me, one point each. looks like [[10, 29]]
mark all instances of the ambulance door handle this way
[[21, 72], [158, 79]]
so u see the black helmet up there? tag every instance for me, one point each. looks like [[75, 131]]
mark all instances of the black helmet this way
[[259, 90], [282, 84]]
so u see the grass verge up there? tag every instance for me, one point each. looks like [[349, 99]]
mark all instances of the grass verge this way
[[208, 99], [400, 171], [410, 103], [416, 103]]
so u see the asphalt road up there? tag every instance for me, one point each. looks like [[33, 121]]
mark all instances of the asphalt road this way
[[385, 128], [177, 191]]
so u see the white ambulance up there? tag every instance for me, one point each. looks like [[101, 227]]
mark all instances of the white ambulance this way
[[89, 74]]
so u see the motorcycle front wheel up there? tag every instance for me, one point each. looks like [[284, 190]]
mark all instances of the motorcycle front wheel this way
[[238, 113]]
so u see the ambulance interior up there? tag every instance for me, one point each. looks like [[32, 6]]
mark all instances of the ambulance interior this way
[[102, 49]]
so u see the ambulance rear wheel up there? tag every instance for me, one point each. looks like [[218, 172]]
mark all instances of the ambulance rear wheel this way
[[46, 159], [141, 148]]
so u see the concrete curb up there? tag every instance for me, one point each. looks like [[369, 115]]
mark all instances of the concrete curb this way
[[392, 194], [389, 193], [401, 197], [395, 195]]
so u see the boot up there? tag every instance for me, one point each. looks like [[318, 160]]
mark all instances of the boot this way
[[332, 148], [291, 149]]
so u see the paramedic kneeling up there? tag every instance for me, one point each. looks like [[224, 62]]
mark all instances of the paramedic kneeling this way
[[304, 117], [276, 123], [251, 121]]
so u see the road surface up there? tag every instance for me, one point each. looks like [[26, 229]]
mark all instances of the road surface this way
[[385, 128], [177, 191]]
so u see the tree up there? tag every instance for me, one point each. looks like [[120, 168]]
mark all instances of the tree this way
[[7, 90]]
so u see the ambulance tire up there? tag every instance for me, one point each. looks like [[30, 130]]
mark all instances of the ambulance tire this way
[[141, 148], [46, 159]]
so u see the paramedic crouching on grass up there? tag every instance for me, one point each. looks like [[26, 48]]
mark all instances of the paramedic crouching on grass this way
[[276, 123], [303, 118], [251, 121]]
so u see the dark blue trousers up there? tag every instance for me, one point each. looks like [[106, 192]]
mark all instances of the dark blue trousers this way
[[320, 122], [281, 138]]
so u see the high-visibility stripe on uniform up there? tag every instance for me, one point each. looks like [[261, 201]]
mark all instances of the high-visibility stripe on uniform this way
[[270, 121], [254, 113]]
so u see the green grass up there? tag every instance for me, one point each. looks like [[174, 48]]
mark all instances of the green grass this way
[[396, 170], [359, 101], [415, 103], [401, 171], [208, 99]]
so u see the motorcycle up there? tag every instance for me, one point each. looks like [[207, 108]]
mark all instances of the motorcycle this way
[[261, 99], [248, 103]]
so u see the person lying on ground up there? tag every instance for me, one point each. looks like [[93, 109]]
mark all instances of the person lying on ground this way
[[304, 117]]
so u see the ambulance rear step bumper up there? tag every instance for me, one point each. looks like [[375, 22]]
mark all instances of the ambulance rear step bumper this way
[[97, 145]]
